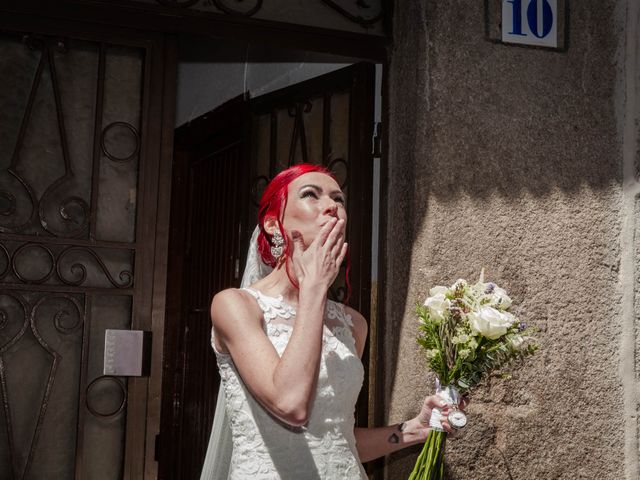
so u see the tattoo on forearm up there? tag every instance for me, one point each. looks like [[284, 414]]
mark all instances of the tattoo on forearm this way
[[394, 438]]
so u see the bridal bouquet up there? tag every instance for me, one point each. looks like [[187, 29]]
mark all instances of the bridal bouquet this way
[[467, 333]]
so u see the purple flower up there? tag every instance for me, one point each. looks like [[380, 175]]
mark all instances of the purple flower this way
[[490, 287], [522, 326]]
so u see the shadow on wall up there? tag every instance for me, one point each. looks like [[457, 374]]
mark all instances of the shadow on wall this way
[[471, 121]]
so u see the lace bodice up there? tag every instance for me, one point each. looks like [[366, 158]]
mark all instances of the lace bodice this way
[[266, 448]]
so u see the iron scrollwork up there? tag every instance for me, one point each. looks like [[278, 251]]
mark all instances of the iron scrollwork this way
[[74, 225], [258, 186], [95, 411], [75, 312], [9, 207], [178, 3], [340, 169], [360, 20], [222, 5], [128, 127], [299, 133], [32, 247], [226, 7], [54, 263], [4, 315], [6, 258], [68, 307], [78, 269], [29, 320]]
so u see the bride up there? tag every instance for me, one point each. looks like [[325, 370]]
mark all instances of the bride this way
[[289, 358]]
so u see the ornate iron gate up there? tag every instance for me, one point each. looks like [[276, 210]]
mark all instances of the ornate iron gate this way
[[327, 120], [78, 200]]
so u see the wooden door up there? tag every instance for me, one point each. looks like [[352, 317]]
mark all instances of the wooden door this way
[[223, 161], [206, 229], [83, 165]]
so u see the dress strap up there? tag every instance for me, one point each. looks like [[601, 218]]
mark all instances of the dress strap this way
[[272, 307]]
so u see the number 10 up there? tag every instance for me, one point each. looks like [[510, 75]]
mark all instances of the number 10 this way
[[539, 17]]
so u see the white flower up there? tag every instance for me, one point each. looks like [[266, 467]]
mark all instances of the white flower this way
[[516, 341], [479, 289], [462, 338], [490, 322], [438, 306], [510, 317], [437, 290], [431, 354], [460, 281], [500, 298]]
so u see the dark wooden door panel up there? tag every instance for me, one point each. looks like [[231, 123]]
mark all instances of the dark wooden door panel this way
[[210, 163], [78, 206]]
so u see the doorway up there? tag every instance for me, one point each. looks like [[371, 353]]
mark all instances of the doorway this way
[[295, 107]]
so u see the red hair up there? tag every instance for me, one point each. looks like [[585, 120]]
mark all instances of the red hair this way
[[273, 204]]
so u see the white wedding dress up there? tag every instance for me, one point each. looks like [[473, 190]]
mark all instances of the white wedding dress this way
[[324, 449]]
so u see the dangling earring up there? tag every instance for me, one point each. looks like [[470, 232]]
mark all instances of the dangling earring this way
[[277, 245]]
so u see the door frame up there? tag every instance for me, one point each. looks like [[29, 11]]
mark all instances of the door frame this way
[[181, 19], [99, 19], [158, 101]]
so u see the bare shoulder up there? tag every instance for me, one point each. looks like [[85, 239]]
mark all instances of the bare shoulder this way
[[234, 315], [360, 328], [233, 304]]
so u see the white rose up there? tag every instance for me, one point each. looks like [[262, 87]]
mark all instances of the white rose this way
[[437, 290], [501, 298], [438, 306], [511, 318], [489, 322]]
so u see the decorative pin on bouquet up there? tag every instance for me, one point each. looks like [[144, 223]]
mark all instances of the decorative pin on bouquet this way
[[467, 333]]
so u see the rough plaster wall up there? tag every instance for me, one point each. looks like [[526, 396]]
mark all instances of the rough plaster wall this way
[[511, 159]]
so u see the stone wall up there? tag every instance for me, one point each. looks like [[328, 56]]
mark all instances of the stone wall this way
[[522, 161]]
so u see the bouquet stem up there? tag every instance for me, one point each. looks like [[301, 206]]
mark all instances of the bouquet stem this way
[[430, 463]]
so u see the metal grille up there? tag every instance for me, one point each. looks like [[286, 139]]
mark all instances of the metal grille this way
[[69, 175], [327, 120], [315, 128], [360, 12]]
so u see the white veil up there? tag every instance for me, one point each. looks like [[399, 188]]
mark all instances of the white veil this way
[[216, 462]]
